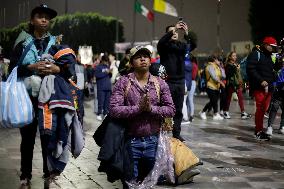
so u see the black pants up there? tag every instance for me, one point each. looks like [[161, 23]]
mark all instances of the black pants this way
[[223, 98], [28, 134], [213, 100], [276, 102], [177, 92]]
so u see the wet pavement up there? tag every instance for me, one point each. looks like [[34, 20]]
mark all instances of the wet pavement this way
[[231, 155]]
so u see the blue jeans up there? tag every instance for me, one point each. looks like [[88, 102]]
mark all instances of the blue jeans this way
[[143, 150], [189, 100]]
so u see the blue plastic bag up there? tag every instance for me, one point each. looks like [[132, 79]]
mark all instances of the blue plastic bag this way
[[16, 109]]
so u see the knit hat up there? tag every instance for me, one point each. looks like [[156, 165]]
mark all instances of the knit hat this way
[[270, 41]]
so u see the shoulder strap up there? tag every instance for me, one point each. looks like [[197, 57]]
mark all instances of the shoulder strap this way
[[157, 87], [127, 88], [156, 84], [26, 50]]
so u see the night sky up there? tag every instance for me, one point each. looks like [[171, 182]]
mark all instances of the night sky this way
[[201, 15]]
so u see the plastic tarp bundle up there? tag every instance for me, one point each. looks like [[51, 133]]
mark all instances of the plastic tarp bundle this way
[[163, 165], [16, 109]]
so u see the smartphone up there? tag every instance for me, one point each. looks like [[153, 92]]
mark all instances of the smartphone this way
[[180, 19]]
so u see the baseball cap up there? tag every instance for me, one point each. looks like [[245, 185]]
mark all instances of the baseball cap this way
[[137, 49], [270, 41], [44, 8]]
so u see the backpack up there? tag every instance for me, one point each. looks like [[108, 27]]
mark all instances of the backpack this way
[[243, 66]]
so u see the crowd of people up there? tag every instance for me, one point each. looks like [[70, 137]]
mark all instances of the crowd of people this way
[[140, 88]]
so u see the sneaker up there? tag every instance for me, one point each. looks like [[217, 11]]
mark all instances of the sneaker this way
[[222, 113], [185, 123], [25, 182], [269, 131], [202, 115], [217, 117], [227, 115], [245, 115], [99, 118], [262, 136], [187, 176], [281, 130]]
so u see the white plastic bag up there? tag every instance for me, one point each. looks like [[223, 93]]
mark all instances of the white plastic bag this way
[[16, 109]]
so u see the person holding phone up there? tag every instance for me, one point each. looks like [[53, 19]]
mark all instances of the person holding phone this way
[[172, 56]]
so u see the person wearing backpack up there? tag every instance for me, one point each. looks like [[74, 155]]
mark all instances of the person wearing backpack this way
[[28, 48], [261, 76]]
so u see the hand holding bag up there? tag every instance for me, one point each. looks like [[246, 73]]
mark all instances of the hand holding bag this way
[[16, 109]]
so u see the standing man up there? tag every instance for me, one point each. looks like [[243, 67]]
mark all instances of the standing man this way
[[261, 76], [172, 54], [27, 51]]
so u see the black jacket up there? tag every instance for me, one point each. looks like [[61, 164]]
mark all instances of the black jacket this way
[[259, 71], [172, 54], [114, 154]]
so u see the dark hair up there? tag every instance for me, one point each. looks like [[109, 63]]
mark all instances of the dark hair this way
[[31, 28], [168, 27], [229, 57], [212, 58], [193, 58], [105, 58], [127, 51]]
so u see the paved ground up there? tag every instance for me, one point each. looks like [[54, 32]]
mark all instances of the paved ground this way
[[232, 157]]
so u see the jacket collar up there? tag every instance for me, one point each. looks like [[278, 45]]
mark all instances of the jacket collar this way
[[151, 79]]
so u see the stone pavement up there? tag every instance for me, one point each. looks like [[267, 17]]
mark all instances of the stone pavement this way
[[232, 157]]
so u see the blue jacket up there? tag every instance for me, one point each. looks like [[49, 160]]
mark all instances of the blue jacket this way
[[32, 55], [188, 73], [102, 77]]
